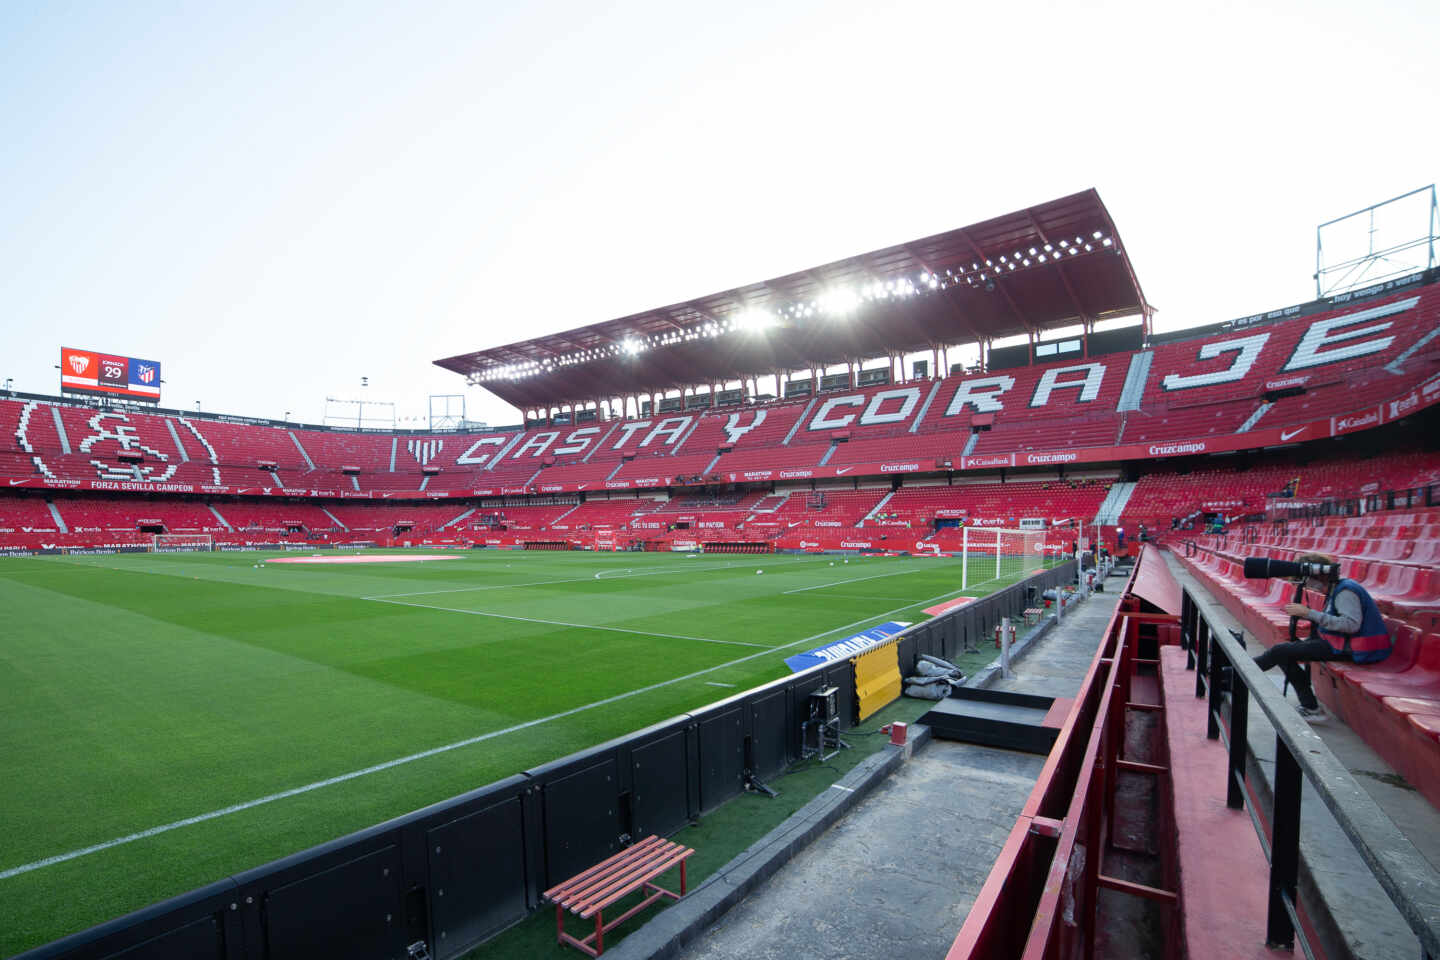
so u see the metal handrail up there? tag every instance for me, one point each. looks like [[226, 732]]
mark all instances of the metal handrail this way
[[1407, 878]]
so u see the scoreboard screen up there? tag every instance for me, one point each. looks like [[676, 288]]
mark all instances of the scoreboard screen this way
[[103, 374]]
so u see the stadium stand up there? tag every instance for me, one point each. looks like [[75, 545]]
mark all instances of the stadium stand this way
[[385, 518], [21, 515], [96, 514], [1392, 705], [1326, 373], [1052, 500]]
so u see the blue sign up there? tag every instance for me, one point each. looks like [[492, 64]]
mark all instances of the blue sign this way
[[844, 649]]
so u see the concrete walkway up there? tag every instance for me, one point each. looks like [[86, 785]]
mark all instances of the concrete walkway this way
[[896, 876]]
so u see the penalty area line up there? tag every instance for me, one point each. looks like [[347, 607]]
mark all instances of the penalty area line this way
[[436, 751]]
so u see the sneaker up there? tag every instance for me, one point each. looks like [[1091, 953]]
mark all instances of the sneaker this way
[[1314, 715]]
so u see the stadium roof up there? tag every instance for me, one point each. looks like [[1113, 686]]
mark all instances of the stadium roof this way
[[1051, 265]]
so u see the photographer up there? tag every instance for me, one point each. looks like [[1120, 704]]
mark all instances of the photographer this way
[[1349, 627]]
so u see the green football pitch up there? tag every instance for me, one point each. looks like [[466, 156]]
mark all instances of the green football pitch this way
[[172, 719]]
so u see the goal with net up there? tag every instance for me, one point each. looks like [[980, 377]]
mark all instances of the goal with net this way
[[997, 553], [182, 543]]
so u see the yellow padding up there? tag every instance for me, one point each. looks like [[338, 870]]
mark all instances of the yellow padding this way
[[877, 678]]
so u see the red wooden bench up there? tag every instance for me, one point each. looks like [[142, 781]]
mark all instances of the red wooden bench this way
[[587, 894]]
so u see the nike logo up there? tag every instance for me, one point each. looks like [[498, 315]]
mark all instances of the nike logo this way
[[843, 470], [16, 483], [1287, 434]]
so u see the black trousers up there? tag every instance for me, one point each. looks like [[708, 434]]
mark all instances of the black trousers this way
[[1290, 654]]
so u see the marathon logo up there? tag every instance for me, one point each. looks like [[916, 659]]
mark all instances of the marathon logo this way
[[1051, 457], [1171, 449]]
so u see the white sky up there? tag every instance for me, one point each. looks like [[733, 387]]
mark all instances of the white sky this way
[[273, 202]]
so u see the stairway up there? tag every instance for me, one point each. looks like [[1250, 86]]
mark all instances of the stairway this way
[[59, 520], [301, 447], [223, 522], [454, 520], [1254, 418], [1135, 378], [798, 420], [1114, 503], [877, 508]]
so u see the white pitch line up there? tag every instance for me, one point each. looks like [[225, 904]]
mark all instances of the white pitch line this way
[[342, 778], [878, 576], [566, 623], [546, 583]]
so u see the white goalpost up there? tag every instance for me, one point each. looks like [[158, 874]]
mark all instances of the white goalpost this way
[[994, 553], [182, 543]]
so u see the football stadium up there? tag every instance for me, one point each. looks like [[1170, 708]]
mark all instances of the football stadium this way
[[918, 480], [356, 692]]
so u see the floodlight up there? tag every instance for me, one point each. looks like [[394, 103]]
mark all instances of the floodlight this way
[[754, 320], [839, 301], [631, 346]]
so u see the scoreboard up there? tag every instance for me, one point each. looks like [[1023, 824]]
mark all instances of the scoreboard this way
[[106, 375]]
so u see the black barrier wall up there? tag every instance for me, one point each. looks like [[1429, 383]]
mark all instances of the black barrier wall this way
[[458, 872]]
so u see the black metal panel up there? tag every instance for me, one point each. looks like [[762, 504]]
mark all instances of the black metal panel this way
[[201, 923], [770, 722], [842, 677], [582, 819], [930, 640], [353, 909], [199, 939], [660, 802], [722, 758], [995, 718], [477, 876], [905, 648], [807, 683], [949, 636]]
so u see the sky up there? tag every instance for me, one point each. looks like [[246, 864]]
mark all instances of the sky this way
[[276, 200]]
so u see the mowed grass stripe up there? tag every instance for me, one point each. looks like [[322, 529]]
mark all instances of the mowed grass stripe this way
[[296, 791], [317, 683]]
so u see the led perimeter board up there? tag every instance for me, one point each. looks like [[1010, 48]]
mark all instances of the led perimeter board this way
[[86, 371]]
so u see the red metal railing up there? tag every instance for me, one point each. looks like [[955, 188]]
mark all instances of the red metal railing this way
[[1038, 903]]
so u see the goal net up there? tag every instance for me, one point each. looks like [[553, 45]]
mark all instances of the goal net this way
[[182, 542], [997, 555]]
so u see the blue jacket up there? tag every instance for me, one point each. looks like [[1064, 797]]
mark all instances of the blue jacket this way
[[1371, 643]]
